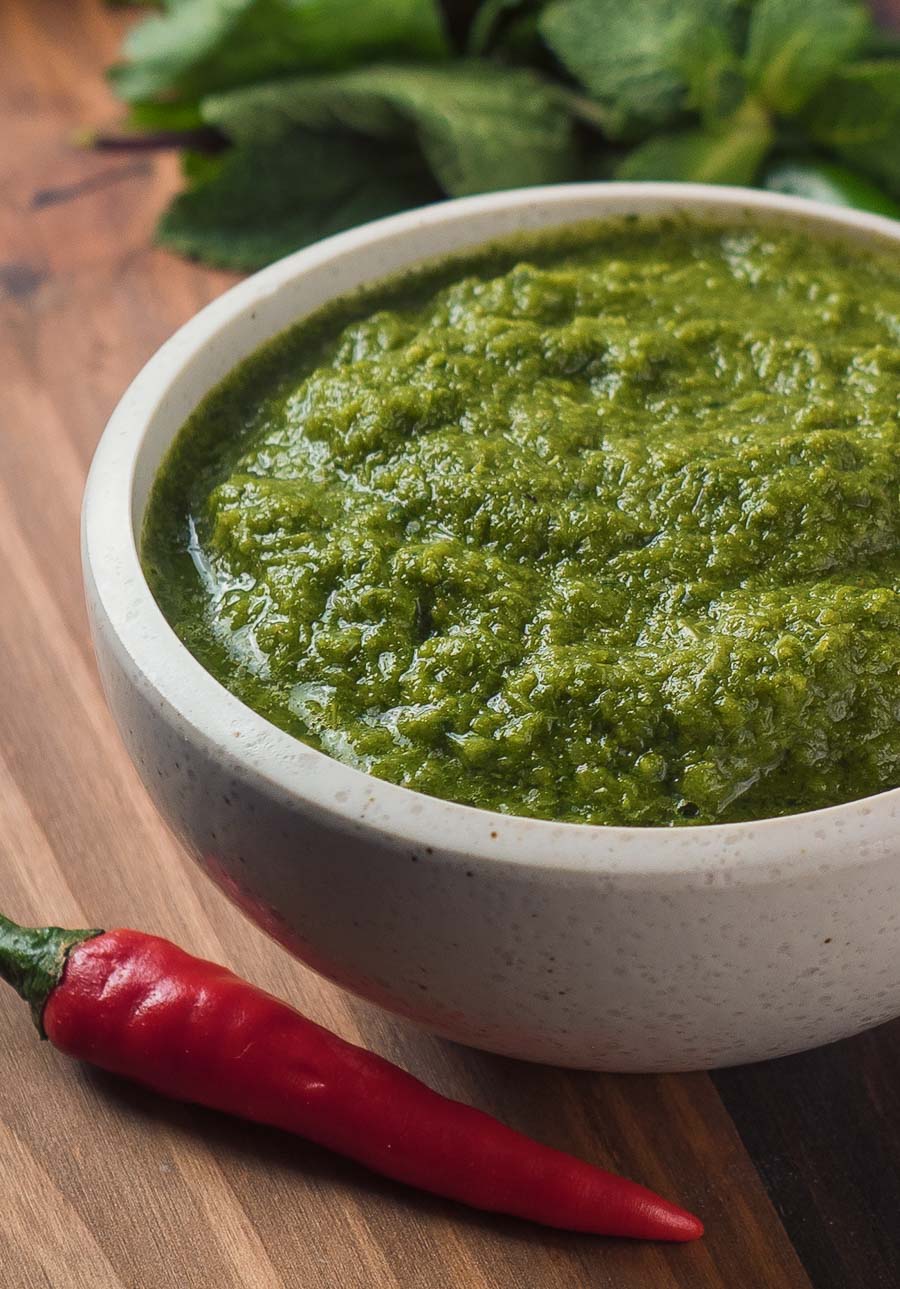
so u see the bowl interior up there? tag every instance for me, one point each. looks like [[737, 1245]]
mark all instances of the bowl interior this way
[[198, 356]]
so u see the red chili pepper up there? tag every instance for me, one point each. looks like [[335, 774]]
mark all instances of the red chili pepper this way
[[139, 1006]]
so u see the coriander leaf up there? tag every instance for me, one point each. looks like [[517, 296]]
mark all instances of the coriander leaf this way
[[201, 46], [856, 114], [263, 201], [479, 127], [732, 154], [793, 46], [632, 56]]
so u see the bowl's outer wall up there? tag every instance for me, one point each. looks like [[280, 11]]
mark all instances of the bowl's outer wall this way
[[570, 968], [715, 947]]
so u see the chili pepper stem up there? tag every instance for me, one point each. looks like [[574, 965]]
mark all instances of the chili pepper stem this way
[[32, 960]]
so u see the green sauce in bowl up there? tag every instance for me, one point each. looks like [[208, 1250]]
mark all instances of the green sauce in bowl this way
[[599, 525]]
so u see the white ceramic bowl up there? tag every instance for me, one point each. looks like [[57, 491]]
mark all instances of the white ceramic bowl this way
[[606, 948]]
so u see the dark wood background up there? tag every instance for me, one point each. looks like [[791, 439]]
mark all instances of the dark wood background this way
[[795, 1165]]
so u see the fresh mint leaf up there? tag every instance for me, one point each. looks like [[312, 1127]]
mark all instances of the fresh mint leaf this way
[[882, 44], [200, 167], [508, 31], [479, 127], [829, 182], [260, 202], [712, 71], [518, 42], [632, 57], [486, 23], [165, 116], [319, 153], [794, 46], [199, 47], [732, 154], [856, 115]]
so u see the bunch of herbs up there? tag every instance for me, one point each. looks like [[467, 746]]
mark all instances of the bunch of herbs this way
[[299, 118]]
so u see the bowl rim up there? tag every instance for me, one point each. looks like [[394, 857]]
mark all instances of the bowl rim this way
[[123, 605]]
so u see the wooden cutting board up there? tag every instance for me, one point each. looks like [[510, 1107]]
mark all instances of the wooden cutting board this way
[[795, 1165]]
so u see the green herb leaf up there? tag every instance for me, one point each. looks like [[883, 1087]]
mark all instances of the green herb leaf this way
[[260, 202], [632, 57], [200, 167], [508, 31], [342, 110], [732, 154], [795, 45], [882, 44], [486, 23], [479, 127], [828, 182], [857, 115], [712, 71], [202, 46], [165, 116]]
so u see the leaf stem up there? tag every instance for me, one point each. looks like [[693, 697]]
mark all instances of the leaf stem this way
[[204, 138]]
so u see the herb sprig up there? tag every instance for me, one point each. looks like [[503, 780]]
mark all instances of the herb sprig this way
[[315, 115]]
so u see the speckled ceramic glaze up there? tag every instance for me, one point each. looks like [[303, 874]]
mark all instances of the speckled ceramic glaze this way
[[608, 948]]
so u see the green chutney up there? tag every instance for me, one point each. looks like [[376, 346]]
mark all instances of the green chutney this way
[[599, 525]]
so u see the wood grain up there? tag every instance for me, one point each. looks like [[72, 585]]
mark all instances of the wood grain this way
[[103, 1186]]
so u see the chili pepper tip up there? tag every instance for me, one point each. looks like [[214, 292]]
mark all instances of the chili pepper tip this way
[[679, 1225]]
